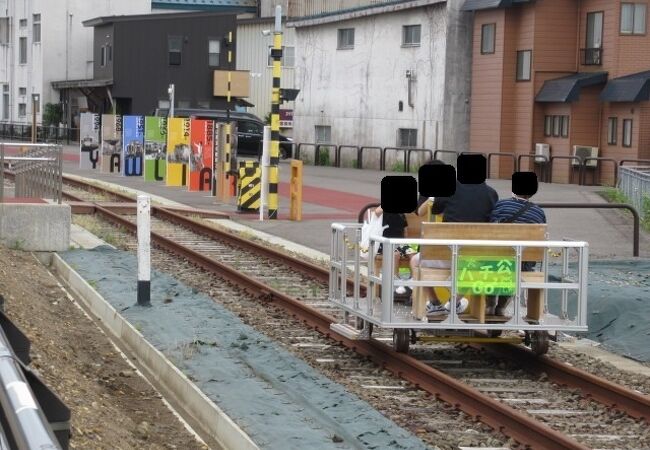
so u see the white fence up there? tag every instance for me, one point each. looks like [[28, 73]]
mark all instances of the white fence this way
[[635, 184]]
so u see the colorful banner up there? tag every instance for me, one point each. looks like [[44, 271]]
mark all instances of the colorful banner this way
[[201, 157], [155, 148], [89, 140], [133, 145], [178, 151], [111, 144]]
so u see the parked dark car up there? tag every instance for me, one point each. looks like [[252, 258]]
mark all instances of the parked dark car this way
[[250, 129]]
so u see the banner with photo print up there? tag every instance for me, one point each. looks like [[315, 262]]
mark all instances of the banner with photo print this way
[[133, 145], [111, 144], [89, 141], [155, 148]]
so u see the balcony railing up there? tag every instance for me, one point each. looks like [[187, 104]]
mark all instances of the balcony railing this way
[[592, 56]]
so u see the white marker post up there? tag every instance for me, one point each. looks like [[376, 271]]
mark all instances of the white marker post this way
[[266, 162], [144, 250]]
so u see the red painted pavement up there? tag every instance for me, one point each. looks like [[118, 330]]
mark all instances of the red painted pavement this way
[[23, 200], [330, 198], [15, 151]]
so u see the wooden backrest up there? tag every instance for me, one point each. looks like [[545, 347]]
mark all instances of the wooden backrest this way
[[414, 226], [485, 231]]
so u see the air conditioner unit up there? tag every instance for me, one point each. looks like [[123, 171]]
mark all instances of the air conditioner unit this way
[[584, 151], [542, 150]]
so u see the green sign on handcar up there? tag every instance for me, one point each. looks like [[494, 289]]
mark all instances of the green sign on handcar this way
[[486, 275]]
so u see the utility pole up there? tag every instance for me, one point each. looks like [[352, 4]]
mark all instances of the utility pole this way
[[35, 99], [276, 54]]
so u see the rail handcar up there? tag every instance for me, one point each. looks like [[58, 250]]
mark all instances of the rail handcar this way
[[473, 261]]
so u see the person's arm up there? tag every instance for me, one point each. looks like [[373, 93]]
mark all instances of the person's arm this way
[[439, 205], [424, 207]]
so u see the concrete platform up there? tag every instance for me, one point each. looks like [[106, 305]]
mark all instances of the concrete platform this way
[[35, 227], [337, 194]]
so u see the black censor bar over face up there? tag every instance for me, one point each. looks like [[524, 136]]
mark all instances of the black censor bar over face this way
[[399, 194]]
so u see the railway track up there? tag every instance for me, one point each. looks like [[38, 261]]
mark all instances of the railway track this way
[[493, 389]]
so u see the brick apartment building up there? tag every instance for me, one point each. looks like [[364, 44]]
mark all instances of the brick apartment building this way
[[561, 72]]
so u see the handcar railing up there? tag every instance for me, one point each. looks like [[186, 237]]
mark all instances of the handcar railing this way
[[348, 262]]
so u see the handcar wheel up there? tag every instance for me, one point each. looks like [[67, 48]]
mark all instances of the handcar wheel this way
[[401, 340], [495, 333], [539, 342]]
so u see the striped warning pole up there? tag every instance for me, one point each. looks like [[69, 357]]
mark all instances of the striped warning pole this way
[[227, 147], [276, 53]]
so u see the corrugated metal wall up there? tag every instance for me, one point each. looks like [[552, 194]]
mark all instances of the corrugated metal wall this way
[[252, 55], [299, 8]]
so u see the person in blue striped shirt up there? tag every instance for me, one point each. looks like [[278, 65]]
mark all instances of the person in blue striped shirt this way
[[517, 209]]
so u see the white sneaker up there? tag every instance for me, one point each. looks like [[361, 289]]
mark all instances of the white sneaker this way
[[461, 305], [401, 290]]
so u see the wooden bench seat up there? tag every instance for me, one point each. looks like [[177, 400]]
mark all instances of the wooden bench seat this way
[[481, 231]]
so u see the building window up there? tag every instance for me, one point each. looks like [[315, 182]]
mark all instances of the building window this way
[[22, 91], [612, 130], [37, 105], [488, 35], [627, 133], [22, 23], [524, 58], [407, 137], [556, 126], [346, 38], [175, 46], [4, 30], [22, 109], [22, 50], [214, 52], [102, 58], [548, 125], [633, 18], [565, 126], [411, 35], [5, 102], [36, 28], [288, 57], [323, 134]]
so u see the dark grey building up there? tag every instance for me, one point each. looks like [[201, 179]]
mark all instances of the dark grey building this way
[[137, 57]]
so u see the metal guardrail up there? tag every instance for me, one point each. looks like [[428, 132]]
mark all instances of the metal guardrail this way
[[635, 184], [31, 415], [38, 171], [47, 134]]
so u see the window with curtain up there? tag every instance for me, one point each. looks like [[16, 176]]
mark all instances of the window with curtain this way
[[627, 133], [524, 59], [612, 130], [633, 18], [488, 35]]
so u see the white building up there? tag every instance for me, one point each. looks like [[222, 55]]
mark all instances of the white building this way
[[385, 75], [252, 48], [42, 41]]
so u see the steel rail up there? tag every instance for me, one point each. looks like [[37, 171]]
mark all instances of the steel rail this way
[[499, 416], [302, 266], [604, 391]]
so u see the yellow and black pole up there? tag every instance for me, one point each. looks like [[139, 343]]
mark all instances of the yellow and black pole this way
[[228, 147], [274, 173]]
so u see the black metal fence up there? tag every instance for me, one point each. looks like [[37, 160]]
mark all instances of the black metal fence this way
[[48, 134]]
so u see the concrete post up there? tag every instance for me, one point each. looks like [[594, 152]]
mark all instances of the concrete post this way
[[144, 250]]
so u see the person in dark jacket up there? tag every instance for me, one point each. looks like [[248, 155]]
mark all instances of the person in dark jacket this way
[[470, 203]]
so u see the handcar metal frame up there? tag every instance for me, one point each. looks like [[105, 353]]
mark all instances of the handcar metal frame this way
[[347, 262]]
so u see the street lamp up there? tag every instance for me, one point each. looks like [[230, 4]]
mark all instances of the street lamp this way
[[35, 100], [170, 91]]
